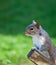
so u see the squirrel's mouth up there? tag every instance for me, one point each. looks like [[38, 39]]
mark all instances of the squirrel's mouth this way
[[27, 33]]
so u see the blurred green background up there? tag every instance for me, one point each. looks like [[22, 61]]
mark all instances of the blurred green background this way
[[15, 15]]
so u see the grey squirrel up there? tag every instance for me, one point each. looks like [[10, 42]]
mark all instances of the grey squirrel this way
[[41, 39]]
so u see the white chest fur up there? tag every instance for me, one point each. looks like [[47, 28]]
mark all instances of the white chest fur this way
[[38, 41]]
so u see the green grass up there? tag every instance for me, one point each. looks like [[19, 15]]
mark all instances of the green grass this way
[[14, 49], [15, 15]]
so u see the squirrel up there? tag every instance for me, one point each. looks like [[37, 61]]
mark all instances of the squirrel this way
[[41, 39]]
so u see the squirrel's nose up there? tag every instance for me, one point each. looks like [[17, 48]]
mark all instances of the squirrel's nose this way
[[25, 32]]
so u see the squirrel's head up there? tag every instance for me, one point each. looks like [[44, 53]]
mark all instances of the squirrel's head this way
[[32, 28]]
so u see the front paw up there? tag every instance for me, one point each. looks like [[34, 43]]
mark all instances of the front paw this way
[[34, 48]]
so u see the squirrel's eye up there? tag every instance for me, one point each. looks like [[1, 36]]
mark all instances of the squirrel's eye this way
[[31, 28]]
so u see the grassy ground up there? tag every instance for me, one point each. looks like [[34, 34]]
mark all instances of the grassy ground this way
[[15, 15], [14, 50]]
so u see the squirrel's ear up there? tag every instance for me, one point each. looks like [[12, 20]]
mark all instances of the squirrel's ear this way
[[37, 25], [34, 22]]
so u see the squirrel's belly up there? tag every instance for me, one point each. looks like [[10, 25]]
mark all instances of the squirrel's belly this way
[[37, 42]]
